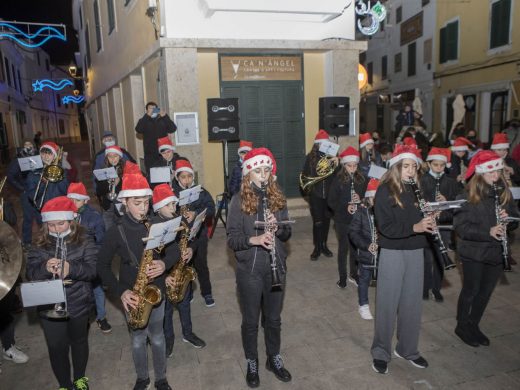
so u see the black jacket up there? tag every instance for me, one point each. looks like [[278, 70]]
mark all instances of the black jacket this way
[[360, 234], [339, 196], [448, 187], [472, 223], [82, 262], [152, 129], [321, 188], [240, 227], [395, 224], [128, 269]]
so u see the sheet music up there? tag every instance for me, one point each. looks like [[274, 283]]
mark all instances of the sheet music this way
[[160, 175], [42, 293], [516, 192], [162, 233], [105, 173], [376, 171], [329, 148], [30, 163], [189, 195], [197, 224]]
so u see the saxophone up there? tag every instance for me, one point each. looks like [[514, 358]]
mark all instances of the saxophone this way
[[149, 294], [181, 273]]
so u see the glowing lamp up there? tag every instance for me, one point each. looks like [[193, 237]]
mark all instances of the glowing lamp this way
[[362, 77]]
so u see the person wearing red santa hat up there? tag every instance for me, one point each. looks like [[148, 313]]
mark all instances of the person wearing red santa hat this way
[[65, 250], [169, 156], [480, 233], [460, 159], [235, 180], [402, 239], [253, 249], [368, 155], [318, 194], [361, 233], [437, 186], [346, 190], [125, 239], [500, 146]]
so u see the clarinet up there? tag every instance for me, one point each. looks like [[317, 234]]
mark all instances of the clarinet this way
[[352, 192], [276, 284], [438, 244], [373, 234], [503, 239]]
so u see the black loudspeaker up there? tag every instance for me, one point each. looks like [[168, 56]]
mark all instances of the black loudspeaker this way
[[223, 120], [334, 115]]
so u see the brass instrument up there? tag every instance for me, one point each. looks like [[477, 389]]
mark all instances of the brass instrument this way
[[149, 295], [112, 195], [324, 169], [10, 258], [2, 183], [52, 173], [181, 273], [503, 239], [60, 309]]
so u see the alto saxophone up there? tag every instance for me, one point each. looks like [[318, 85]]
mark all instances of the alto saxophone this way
[[149, 294], [181, 273]]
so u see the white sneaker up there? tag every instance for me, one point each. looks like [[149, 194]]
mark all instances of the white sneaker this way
[[364, 312], [15, 355]]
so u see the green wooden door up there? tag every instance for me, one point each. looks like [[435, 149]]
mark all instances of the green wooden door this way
[[271, 115]]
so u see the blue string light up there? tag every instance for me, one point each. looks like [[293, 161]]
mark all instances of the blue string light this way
[[72, 99], [50, 31], [39, 85]]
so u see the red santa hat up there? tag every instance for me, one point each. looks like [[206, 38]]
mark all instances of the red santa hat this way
[[350, 154], [404, 151], [60, 208], [442, 154], [371, 188], [365, 139], [410, 141], [321, 136], [256, 158], [484, 161], [500, 141], [51, 146], [162, 195], [77, 191], [165, 143], [114, 149], [461, 144], [183, 166], [134, 185], [131, 168], [245, 146]]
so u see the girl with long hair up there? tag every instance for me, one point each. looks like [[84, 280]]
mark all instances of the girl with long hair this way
[[253, 247]]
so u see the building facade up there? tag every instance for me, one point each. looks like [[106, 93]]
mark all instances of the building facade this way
[[278, 59], [399, 61], [478, 58]]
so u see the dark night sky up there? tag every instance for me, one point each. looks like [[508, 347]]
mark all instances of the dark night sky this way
[[45, 11]]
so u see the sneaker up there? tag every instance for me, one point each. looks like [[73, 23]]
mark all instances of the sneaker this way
[[81, 383], [364, 312], [438, 296], [169, 347], [420, 362], [252, 378], [275, 365], [380, 366], [142, 384], [15, 355], [341, 284], [194, 340], [353, 280], [210, 302], [104, 326], [162, 385]]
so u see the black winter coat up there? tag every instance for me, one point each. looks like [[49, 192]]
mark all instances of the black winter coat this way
[[152, 129], [360, 234], [240, 227], [82, 262], [339, 196]]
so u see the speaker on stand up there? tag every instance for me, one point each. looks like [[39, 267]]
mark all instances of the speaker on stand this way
[[334, 115]]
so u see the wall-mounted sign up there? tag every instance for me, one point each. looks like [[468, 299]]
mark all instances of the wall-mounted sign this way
[[412, 28], [260, 68]]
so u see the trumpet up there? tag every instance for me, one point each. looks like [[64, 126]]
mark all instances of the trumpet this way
[[112, 195], [60, 309], [52, 173], [324, 169]]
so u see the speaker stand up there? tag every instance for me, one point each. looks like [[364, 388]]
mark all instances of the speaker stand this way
[[222, 199]]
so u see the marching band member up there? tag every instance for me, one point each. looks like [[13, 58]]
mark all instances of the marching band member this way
[[343, 197], [64, 243], [436, 186], [235, 180], [480, 248], [401, 266], [361, 233], [165, 205], [460, 159], [184, 179], [500, 146], [125, 240], [109, 140], [92, 221], [253, 250], [318, 199], [368, 153], [169, 156]]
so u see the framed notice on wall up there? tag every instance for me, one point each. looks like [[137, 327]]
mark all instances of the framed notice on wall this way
[[187, 128]]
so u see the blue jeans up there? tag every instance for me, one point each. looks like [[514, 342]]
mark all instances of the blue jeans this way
[[184, 309], [99, 297], [29, 215], [365, 275]]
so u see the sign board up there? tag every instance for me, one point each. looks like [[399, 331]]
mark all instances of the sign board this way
[[260, 68]]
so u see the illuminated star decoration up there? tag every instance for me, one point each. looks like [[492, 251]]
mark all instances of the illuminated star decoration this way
[[8, 30], [72, 99], [58, 85]]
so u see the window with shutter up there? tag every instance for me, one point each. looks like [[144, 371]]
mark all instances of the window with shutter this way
[[500, 23], [398, 63], [97, 20], [412, 50], [449, 42], [370, 73], [384, 67]]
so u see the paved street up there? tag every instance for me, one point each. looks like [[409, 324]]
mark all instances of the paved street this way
[[325, 344]]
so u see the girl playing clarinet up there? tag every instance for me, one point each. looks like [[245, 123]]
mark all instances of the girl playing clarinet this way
[[254, 247]]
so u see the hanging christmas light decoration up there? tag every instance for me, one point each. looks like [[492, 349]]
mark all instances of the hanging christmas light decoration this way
[[374, 15]]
